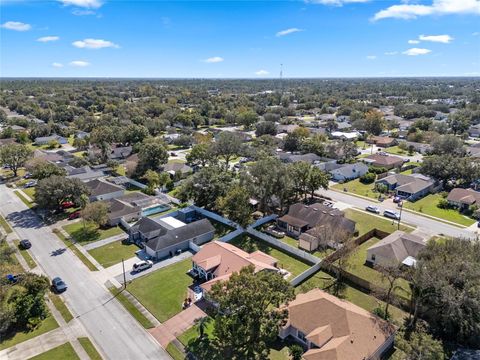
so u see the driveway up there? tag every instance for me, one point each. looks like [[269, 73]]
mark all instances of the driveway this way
[[115, 331]]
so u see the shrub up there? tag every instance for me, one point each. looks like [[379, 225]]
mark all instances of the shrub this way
[[381, 188], [443, 204], [377, 170], [368, 178]]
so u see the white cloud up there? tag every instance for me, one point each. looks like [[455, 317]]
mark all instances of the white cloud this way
[[79, 12], [79, 63], [391, 53], [438, 7], [214, 59], [16, 25], [94, 44], [335, 2], [288, 31], [57, 65], [416, 51], [476, 33], [48, 38], [261, 72], [93, 4], [413, 41], [371, 57], [445, 39]]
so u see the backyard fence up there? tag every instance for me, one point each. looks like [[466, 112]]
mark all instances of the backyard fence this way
[[194, 247], [263, 220], [232, 235], [297, 280], [282, 246]]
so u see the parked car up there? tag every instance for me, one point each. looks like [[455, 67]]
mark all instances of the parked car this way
[[397, 199], [30, 184], [142, 265], [67, 204], [74, 215], [58, 285], [25, 244], [27, 175], [173, 154], [391, 214], [373, 209]]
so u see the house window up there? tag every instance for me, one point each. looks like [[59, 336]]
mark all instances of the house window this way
[[301, 336]]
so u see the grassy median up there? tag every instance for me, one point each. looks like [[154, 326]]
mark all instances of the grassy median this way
[[76, 251]]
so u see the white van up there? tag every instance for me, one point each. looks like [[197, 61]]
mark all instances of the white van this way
[[391, 214], [142, 265]]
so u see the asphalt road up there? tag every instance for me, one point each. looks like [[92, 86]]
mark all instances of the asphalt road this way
[[422, 222], [115, 331]]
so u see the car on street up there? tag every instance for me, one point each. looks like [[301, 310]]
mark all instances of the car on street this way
[[373, 209], [25, 244], [391, 214], [74, 215], [142, 265], [59, 285], [397, 199]]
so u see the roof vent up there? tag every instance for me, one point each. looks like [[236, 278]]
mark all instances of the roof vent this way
[[314, 209]]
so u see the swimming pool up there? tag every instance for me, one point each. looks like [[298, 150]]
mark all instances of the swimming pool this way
[[155, 209]]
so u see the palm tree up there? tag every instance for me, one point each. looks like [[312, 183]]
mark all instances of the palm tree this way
[[202, 325]]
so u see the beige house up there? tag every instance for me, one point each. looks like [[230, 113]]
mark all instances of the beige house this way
[[333, 329], [463, 198], [397, 248], [218, 260]]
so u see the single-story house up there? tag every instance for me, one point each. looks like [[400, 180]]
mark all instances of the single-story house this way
[[177, 168], [84, 173], [386, 161], [103, 190], [411, 187], [418, 147], [381, 141], [17, 128], [463, 198], [397, 248], [218, 260], [131, 206], [81, 134], [60, 158], [163, 237], [474, 131], [170, 138], [348, 171], [301, 218], [329, 328], [292, 158], [345, 135], [44, 140]]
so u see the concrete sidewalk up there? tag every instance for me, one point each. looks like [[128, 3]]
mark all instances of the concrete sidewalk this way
[[106, 241]]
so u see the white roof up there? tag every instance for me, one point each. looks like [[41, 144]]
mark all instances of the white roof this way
[[409, 261], [171, 223], [347, 135]]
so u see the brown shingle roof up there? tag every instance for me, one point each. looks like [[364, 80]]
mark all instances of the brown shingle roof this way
[[398, 246], [224, 259], [340, 329], [385, 160], [465, 196], [99, 187]]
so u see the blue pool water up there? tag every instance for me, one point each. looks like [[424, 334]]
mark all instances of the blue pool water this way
[[155, 210]]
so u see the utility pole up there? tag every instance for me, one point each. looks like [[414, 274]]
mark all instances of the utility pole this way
[[281, 79], [400, 217], [124, 277]]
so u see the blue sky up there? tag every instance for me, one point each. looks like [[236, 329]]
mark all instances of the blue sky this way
[[247, 39]]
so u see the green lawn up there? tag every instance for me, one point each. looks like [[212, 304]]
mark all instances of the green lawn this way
[[10, 266], [285, 261], [428, 206], [46, 325], [62, 352], [91, 232], [113, 253], [322, 280], [366, 222], [61, 307], [89, 348], [397, 151], [174, 352], [163, 291], [289, 241], [30, 192], [356, 187], [75, 250], [25, 254], [192, 333], [356, 265], [24, 199], [122, 299], [6, 226]]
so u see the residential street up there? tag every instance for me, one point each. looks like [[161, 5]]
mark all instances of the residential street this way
[[422, 222], [114, 330]]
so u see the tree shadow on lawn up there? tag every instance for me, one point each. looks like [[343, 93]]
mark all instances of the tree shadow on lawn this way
[[85, 234]]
